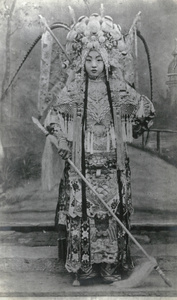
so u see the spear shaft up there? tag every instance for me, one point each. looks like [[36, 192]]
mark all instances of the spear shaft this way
[[156, 267]]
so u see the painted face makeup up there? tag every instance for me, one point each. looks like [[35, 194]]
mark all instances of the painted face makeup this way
[[94, 64]]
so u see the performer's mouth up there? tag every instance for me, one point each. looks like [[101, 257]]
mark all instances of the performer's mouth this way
[[94, 71]]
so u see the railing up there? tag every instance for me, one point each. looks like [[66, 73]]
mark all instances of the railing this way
[[158, 137]]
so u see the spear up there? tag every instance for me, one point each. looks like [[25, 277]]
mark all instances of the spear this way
[[151, 259]]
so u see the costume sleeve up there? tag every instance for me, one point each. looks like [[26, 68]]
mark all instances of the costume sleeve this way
[[144, 116], [52, 164]]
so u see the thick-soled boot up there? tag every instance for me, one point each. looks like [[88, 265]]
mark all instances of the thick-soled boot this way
[[89, 274], [108, 273], [76, 281]]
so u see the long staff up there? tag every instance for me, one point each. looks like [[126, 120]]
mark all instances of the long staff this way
[[157, 268]]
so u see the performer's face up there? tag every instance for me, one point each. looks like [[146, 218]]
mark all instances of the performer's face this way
[[94, 64]]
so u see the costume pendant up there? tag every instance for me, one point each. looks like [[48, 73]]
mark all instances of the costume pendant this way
[[85, 245], [127, 133], [113, 137], [108, 140]]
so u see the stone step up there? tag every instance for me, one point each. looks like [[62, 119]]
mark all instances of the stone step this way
[[24, 258], [155, 250], [54, 265], [42, 284], [46, 218], [24, 252], [16, 264]]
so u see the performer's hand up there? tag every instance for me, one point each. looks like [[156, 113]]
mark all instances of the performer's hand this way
[[50, 128], [64, 150], [65, 154]]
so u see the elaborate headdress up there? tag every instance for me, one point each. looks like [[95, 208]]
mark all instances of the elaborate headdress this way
[[96, 32]]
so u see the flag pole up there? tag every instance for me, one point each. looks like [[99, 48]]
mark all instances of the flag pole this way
[[44, 22]]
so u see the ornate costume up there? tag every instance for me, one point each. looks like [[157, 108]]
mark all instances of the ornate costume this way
[[92, 118]]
